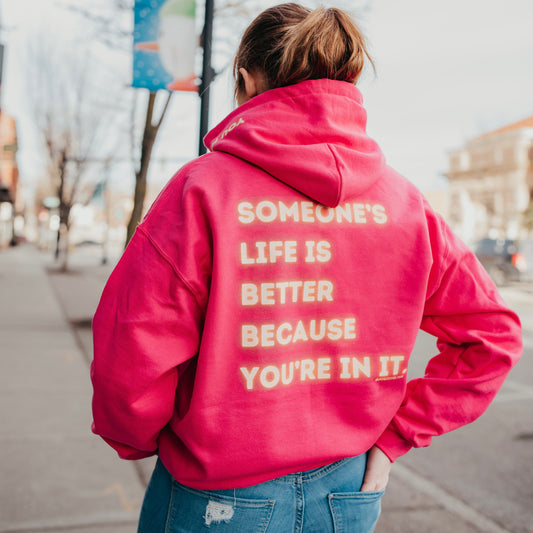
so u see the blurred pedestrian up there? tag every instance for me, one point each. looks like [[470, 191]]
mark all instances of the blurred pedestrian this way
[[256, 333]]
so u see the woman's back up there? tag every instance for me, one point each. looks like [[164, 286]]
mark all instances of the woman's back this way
[[261, 320]]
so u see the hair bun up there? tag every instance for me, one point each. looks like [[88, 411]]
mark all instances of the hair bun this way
[[289, 43]]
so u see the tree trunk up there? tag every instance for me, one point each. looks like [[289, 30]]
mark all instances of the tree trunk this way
[[149, 136], [62, 204], [63, 231], [65, 245]]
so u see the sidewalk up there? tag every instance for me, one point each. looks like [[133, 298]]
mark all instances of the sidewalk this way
[[55, 475]]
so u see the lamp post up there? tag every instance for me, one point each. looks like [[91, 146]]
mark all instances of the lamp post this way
[[208, 74]]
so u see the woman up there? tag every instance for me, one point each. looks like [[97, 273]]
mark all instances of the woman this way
[[256, 333]]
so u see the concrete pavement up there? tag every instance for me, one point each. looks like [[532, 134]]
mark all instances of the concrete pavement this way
[[55, 474]]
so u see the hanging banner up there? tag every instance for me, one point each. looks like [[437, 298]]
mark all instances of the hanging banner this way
[[164, 45]]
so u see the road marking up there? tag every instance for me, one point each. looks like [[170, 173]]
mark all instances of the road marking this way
[[518, 392], [449, 502], [127, 505]]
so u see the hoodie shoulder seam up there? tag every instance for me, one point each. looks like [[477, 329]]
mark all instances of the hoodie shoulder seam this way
[[443, 259], [169, 261]]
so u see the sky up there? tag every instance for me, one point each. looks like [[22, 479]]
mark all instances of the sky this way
[[446, 72]]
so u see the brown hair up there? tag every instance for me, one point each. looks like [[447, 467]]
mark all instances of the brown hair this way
[[289, 43]]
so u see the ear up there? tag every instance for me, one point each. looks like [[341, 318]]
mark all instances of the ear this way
[[250, 83]]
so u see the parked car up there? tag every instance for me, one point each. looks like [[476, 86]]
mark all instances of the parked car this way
[[506, 260]]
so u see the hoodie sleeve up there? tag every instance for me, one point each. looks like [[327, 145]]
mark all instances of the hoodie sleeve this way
[[147, 323], [479, 340]]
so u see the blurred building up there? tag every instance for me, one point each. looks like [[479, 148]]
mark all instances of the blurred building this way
[[9, 198], [490, 183]]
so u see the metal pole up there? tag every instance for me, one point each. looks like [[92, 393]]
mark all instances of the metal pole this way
[[208, 73]]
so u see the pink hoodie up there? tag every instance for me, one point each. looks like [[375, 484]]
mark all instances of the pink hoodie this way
[[260, 321]]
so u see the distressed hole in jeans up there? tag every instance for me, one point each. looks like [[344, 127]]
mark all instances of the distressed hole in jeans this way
[[217, 512]]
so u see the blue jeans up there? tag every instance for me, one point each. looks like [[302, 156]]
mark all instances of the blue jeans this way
[[322, 500]]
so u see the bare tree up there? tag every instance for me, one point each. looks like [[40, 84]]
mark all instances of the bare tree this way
[[71, 124], [114, 27], [151, 128], [113, 23]]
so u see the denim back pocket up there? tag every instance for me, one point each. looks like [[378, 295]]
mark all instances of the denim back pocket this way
[[355, 512], [194, 510]]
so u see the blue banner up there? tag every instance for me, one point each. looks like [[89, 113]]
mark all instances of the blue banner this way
[[164, 45]]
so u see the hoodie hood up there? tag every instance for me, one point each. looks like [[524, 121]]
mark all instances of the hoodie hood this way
[[311, 136]]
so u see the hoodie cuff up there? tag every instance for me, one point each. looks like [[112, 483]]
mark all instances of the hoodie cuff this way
[[124, 451], [392, 444]]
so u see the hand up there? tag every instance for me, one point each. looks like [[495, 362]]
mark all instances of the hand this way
[[377, 471]]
